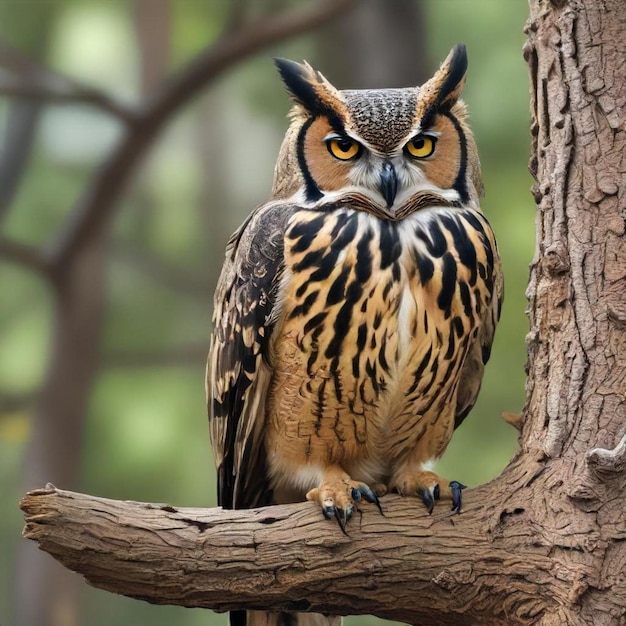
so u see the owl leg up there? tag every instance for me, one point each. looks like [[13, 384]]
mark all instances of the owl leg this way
[[339, 495], [428, 486]]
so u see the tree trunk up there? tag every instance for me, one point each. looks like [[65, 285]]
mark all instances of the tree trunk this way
[[577, 305], [44, 593]]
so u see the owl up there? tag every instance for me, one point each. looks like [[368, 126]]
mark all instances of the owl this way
[[356, 309]]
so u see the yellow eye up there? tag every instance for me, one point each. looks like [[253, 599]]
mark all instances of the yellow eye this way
[[421, 146], [344, 148]]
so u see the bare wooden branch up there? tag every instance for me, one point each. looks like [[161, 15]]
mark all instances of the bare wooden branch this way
[[94, 209], [66, 93], [158, 270], [26, 78], [485, 565], [24, 255], [514, 419], [482, 566], [602, 461]]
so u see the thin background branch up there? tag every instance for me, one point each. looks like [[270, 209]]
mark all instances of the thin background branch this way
[[94, 208], [25, 78], [163, 273], [24, 255]]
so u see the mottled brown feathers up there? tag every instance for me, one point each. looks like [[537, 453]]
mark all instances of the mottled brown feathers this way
[[382, 117], [244, 301], [356, 309]]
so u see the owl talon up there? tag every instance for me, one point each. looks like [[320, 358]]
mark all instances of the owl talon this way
[[427, 498], [347, 512], [339, 497], [429, 487], [457, 489], [343, 517], [364, 491]]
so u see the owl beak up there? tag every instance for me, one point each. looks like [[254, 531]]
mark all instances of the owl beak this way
[[388, 183]]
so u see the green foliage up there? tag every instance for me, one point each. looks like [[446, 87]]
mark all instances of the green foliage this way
[[146, 436]]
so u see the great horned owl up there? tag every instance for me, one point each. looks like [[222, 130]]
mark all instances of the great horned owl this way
[[356, 308]]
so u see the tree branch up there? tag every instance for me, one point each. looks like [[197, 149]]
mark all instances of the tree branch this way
[[94, 209], [24, 255], [16, 146], [602, 461], [160, 271], [69, 92], [29, 79], [482, 566]]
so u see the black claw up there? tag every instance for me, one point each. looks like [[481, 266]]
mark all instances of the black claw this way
[[369, 495], [427, 499], [457, 489], [343, 516], [436, 492], [341, 523]]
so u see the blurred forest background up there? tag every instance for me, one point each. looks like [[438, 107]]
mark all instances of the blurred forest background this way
[[103, 339]]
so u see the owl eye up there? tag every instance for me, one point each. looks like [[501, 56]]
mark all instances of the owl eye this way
[[343, 148], [421, 146]]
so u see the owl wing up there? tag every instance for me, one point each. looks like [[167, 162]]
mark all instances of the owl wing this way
[[473, 369], [239, 368]]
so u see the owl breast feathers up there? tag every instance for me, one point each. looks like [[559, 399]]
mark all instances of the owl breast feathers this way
[[356, 309]]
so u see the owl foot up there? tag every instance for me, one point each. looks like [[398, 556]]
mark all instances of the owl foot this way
[[430, 487], [339, 497]]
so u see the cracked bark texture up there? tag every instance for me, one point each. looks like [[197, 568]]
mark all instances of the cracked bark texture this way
[[482, 567], [576, 386], [545, 542]]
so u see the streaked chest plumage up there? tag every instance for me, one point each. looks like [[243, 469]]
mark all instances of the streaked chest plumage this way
[[377, 318], [356, 309]]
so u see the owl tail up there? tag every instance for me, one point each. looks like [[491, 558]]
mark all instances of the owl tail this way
[[263, 618]]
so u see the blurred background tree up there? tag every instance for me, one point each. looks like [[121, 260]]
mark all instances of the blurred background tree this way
[[104, 331]]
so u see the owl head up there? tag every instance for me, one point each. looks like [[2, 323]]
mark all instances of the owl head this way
[[390, 148]]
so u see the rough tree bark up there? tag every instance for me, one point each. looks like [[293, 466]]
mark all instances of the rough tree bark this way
[[576, 387], [541, 544]]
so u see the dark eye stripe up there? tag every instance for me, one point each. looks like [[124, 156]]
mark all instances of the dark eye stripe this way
[[311, 189], [460, 182]]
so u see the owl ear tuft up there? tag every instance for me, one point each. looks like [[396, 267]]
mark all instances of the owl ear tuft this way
[[442, 91], [309, 88], [298, 79], [451, 75]]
